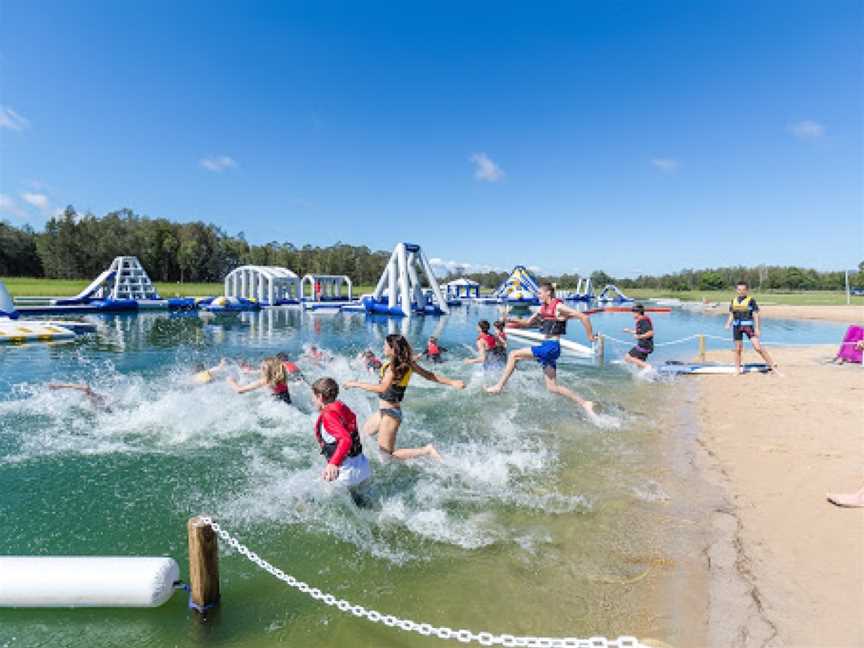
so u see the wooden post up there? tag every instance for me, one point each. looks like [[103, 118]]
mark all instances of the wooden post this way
[[203, 565], [601, 350], [701, 348]]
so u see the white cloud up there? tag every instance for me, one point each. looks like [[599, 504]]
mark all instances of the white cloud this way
[[485, 168], [535, 269], [39, 201], [12, 120], [442, 266], [218, 163], [807, 129], [9, 206], [666, 165]]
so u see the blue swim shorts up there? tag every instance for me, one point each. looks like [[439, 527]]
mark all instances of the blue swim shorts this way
[[547, 353]]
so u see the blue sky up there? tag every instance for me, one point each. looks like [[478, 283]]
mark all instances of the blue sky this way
[[623, 136]]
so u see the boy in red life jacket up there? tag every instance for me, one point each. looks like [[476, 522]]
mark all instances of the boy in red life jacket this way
[[552, 317], [644, 334], [434, 350], [337, 434]]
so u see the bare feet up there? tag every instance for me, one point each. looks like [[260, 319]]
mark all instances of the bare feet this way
[[432, 452], [494, 389], [850, 500]]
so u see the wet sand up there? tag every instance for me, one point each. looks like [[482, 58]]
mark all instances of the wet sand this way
[[785, 567]]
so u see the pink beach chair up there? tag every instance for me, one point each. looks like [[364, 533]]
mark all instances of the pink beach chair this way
[[849, 351]]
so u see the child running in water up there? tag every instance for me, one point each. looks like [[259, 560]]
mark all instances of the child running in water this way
[[434, 351], [273, 375], [501, 334], [97, 400], [489, 352], [644, 334], [552, 317], [336, 433], [370, 360], [396, 373]]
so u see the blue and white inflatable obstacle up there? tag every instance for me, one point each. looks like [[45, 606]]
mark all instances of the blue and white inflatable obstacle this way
[[230, 305], [399, 292]]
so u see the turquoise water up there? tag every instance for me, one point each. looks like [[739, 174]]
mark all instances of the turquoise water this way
[[538, 521]]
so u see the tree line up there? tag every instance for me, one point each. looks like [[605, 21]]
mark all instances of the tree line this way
[[75, 246]]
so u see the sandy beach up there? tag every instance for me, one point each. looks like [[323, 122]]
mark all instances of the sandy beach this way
[[786, 567], [845, 314]]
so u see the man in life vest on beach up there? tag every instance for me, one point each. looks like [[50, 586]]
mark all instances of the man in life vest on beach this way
[[552, 317], [744, 320], [644, 334]]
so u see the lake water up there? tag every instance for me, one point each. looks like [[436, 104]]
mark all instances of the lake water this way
[[538, 522]]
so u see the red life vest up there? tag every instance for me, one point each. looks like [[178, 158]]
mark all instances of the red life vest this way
[[432, 349], [551, 326], [342, 419], [280, 388], [290, 367], [488, 339]]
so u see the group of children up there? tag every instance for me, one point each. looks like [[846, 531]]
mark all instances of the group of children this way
[[336, 429]]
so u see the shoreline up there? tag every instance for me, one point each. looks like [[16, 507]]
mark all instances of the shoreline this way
[[783, 566], [852, 314]]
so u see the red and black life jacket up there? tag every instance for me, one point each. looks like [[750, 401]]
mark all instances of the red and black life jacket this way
[[432, 350], [551, 326], [489, 340], [348, 420]]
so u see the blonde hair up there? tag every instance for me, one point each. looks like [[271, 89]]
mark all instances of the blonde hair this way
[[274, 371]]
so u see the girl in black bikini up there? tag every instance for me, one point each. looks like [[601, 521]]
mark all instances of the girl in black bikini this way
[[399, 366]]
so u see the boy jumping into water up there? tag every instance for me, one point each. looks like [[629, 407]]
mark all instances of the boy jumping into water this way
[[552, 317], [744, 320]]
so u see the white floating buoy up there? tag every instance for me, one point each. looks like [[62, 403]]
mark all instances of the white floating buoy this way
[[91, 581]]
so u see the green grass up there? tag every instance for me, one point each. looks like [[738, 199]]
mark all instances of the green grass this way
[[799, 298], [39, 287]]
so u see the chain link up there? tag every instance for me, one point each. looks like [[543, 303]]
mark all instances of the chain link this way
[[423, 629]]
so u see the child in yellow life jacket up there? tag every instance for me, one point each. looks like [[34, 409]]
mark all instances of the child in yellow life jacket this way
[[399, 366]]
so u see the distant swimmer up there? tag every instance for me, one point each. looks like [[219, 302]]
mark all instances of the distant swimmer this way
[[292, 371], [552, 317], [370, 360], [273, 375], [644, 334], [744, 319], [434, 351], [396, 372], [204, 376], [97, 400], [489, 352], [316, 355], [337, 435]]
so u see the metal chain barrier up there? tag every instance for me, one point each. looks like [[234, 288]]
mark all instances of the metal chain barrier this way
[[423, 629]]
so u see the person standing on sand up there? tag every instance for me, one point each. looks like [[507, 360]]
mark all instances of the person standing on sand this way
[[552, 317], [744, 320]]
